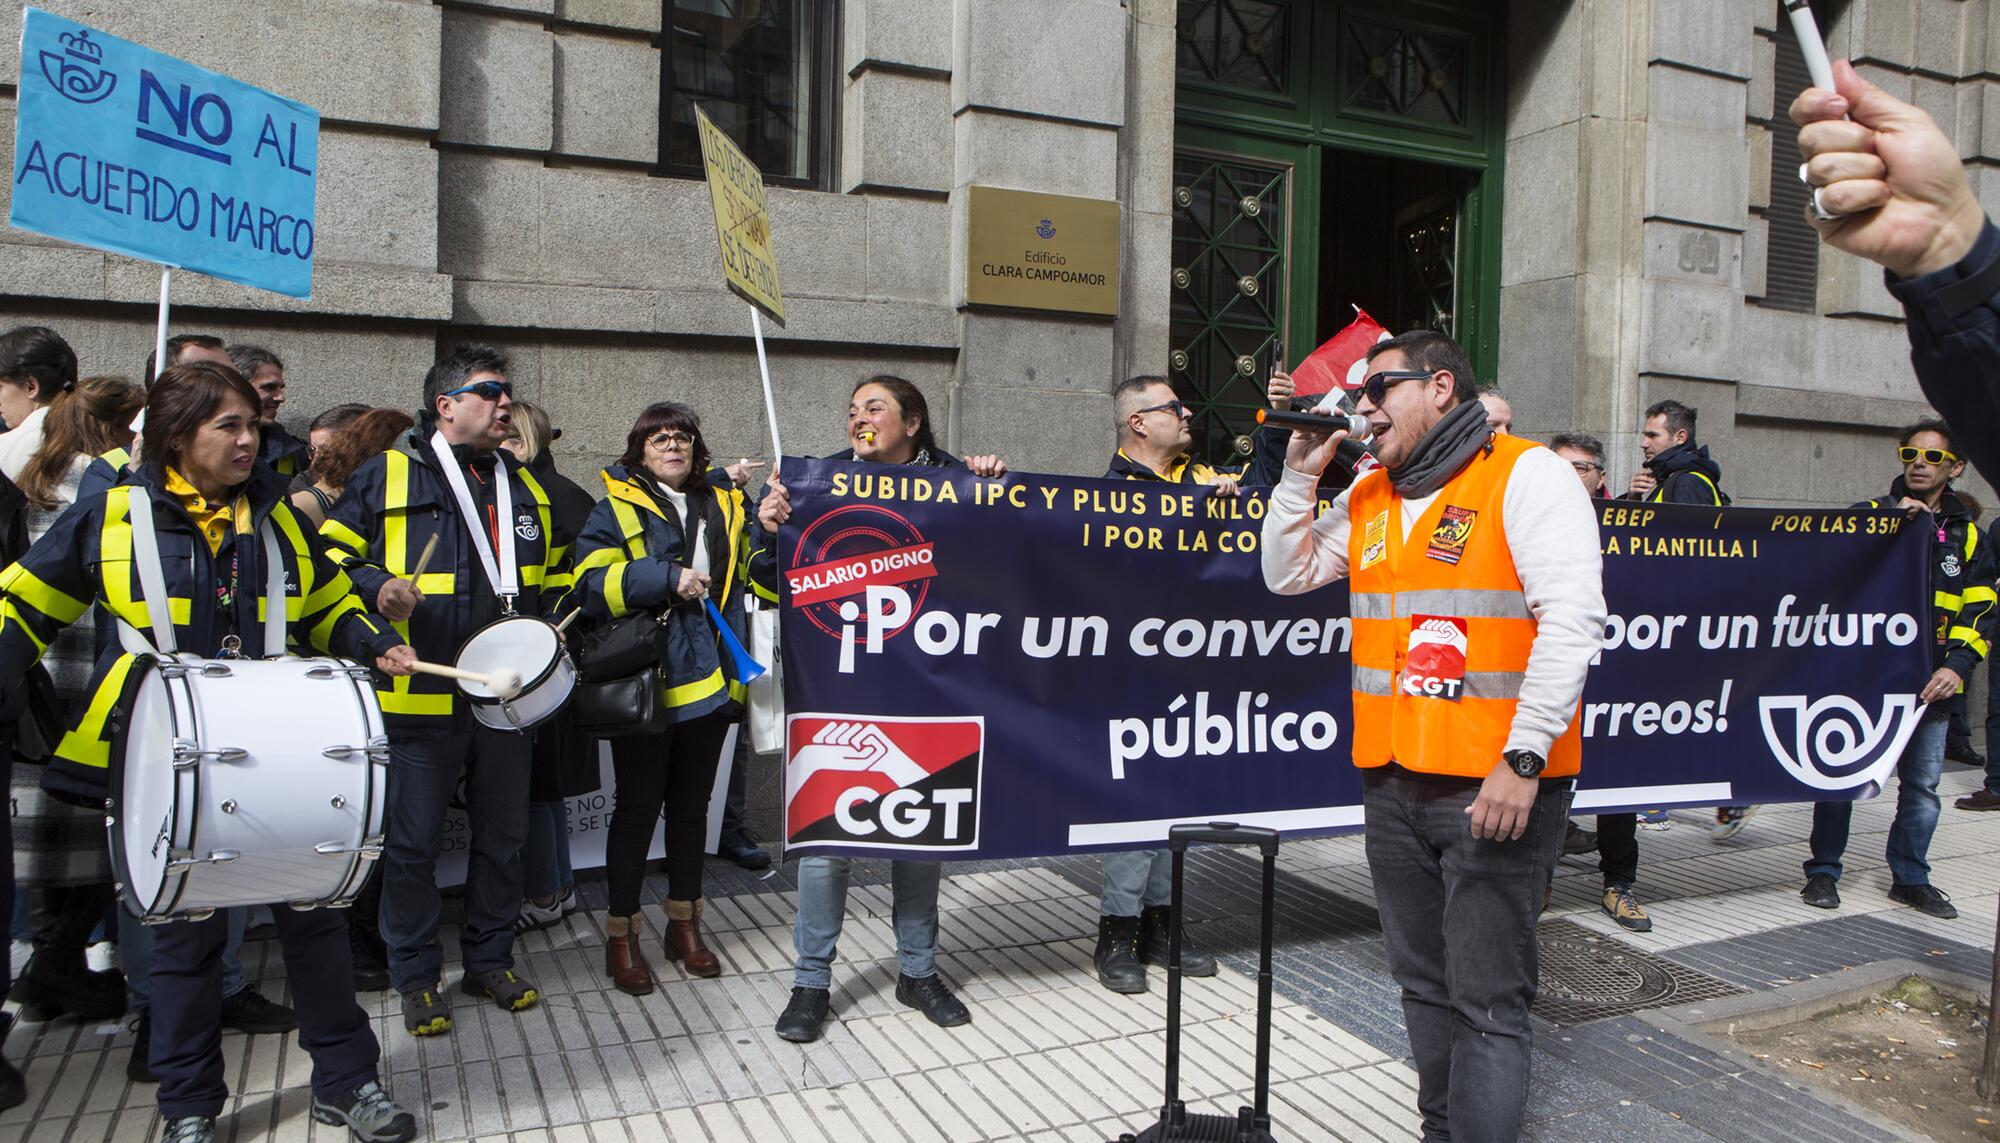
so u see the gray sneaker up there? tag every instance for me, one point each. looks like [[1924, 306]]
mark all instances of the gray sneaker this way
[[370, 1115], [188, 1129]]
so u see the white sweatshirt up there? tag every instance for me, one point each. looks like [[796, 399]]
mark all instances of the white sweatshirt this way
[[1552, 534]]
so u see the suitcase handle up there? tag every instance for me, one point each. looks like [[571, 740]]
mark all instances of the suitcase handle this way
[[1223, 833]]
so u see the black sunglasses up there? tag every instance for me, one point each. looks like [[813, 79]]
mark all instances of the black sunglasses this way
[[491, 390], [1377, 385], [1175, 406]]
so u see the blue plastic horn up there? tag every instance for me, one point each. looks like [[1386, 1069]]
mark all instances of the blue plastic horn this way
[[747, 668]]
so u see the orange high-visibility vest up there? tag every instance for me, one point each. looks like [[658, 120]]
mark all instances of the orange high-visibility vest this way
[[1442, 630]]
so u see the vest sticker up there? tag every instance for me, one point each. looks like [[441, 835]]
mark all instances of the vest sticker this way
[[1375, 540], [527, 528], [1453, 529], [1435, 665]]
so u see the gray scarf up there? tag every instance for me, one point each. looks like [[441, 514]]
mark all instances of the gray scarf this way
[[1443, 451]]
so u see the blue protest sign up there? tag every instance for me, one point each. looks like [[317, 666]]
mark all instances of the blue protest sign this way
[[1040, 664], [122, 148]]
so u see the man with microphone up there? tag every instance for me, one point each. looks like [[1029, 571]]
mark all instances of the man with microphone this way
[[1476, 587]]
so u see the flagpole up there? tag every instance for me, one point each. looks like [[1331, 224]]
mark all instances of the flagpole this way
[[160, 335], [770, 402]]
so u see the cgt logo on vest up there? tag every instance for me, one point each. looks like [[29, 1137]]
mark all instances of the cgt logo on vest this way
[[883, 782], [1435, 666]]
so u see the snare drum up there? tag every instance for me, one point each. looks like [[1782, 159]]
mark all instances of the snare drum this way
[[533, 649], [245, 782]]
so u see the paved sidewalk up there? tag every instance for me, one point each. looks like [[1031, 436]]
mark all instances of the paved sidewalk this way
[[1050, 1055]]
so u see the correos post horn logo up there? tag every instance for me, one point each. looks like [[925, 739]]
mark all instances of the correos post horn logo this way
[[77, 71], [1832, 743]]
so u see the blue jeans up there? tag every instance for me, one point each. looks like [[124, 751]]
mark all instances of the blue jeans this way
[[423, 774], [1916, 809], [545, 870], [1458, 925], [1136, 879], [135, 956], [823, 906]]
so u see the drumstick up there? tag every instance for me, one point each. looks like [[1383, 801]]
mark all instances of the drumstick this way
[[567, 620], [503, 682], [424, 560]]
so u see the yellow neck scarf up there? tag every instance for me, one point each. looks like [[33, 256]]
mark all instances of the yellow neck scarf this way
[[216, 519]]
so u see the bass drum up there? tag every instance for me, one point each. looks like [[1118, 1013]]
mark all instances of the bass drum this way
[[245, 782], [530, 647]]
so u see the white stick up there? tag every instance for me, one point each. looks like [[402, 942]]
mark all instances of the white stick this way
[[770, 402], [160, 336], [502, 682], [424, 559], [567, 620], [1811, 46]]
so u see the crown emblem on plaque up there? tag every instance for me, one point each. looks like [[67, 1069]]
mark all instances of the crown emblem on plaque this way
[[1047, 229], [77, 72], [80, 45]]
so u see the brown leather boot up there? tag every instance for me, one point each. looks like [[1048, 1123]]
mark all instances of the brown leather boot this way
[[623, 961], [684, 939]]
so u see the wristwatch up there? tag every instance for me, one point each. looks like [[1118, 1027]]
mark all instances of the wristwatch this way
[[1526, 763]]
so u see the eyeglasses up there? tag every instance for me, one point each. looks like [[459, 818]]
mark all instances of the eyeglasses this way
[[1175, 406], [1908, 455], [670, 440], [1377, 385], [490, 390], [1586, 466]]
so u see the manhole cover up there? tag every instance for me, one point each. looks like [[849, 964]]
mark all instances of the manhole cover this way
[[1588, 976]]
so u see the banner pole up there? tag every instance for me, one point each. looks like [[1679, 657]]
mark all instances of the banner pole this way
[[160, 336], [763, 367]]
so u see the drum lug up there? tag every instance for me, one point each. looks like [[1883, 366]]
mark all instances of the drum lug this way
[[369, 849], [305, 906], [336, 671], [229, 805], [187, 753], [185, 859]]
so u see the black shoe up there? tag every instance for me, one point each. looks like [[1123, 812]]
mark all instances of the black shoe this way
[[1577, 840], [1821, 892], [251, 1013], [139, 1065], [740, 846], [1980, 799], [1117, 955], [188, 1129], [502, 987], [424, 1012], [1926, 899], [931, 996], [13, 1086], [804, 1013], [1155, 933], [1960, 750], [48, 988], [369, 1114]]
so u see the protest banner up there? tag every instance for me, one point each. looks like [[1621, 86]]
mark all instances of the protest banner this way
[[1038, 665], [125, 149]]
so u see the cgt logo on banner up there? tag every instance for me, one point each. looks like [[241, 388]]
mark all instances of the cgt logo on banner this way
[[905, 783], [125, 149]]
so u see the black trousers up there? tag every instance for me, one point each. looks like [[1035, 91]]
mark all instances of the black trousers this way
[[6, 888], [62, 917], [1618, 848], [670, 774], [187, 1008]]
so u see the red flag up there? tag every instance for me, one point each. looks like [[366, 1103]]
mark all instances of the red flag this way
[[1339, 363]]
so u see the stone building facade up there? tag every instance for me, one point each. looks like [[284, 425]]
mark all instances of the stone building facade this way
[[1596, 189]]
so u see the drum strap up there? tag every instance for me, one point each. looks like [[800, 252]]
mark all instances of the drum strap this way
[[153, 584], [503, 574]]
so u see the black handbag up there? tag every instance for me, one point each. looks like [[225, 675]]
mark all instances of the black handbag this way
[[627, 707], [618, 648]]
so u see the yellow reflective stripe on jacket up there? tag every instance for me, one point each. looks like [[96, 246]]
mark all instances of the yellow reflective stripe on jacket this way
[[89, 744], [401, 700], [395, 525], [11, 615], [1947, 600], [1659, 495], [695, 691], [29, 588], [346, 543]]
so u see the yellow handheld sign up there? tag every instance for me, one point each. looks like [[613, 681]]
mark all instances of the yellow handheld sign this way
[[742, 221]]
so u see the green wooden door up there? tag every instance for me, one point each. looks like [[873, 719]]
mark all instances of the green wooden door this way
[[1268, 93]]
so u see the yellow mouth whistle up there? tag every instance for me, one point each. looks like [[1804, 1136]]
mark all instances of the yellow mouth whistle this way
[[867, 436]]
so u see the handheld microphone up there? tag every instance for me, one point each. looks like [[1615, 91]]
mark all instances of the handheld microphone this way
[[1355, 425]]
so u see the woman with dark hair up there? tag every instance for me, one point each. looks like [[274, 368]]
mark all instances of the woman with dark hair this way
[[210, 502], [333, 462], [59, 850], [666, 540], [36, 367], [888, 422]]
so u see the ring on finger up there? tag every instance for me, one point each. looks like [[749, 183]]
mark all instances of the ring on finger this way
[[1819, 209]]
